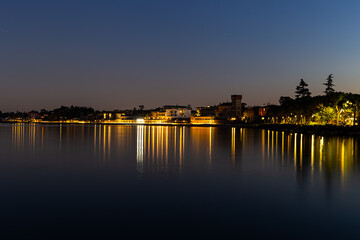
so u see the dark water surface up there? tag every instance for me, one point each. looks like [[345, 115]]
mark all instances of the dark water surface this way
[[111, 181]]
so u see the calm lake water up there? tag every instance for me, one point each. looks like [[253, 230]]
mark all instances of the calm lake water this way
[[103, 181]]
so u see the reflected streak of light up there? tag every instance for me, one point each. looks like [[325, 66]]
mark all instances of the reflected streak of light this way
[[34, 137], [60, 135], [158, 162], [276, 144], [42, 139], [288, 147], [95, 140], [98, 140], [180, 148], [12, 137], [29, 137], [282, 147], [272, 145], [104, 142], [166, 146], [175, 135], [263, 144], [295, 142], [23, 136], [183, 145], [321, 152], [140, 149], [242, 138], [210, 145], [268, 145], [342, 159], [20, 136], [14, 130], [108, 141], [312, 152], [184, 142], [162, 146], [152, 144], [233, 135], [149, 143], [144, 140], [301, 150]]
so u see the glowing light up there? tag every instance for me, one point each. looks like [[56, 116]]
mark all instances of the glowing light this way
[[140, 120]]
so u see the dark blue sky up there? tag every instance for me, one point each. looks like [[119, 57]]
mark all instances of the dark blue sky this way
[[120, 54]]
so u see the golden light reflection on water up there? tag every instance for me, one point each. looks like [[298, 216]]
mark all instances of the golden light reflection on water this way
[[342, 159], [330, 156], [263, 144], [233, 144], [210, 146], [301, 150], [321, 152], [282, 147], [165, 148], [312, 153]]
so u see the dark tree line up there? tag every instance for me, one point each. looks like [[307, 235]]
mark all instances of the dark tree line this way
[[337, 108], [73, 112], [332, 108], [62, 113], [13, 115]]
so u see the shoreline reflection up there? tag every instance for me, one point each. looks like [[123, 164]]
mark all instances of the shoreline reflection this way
[[169, 149]]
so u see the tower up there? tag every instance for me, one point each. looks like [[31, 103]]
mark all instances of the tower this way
[[236, 105]]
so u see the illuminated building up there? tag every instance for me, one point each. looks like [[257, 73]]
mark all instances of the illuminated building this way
[[263, 111], [205, 120], [108, 115], [174, 113], [158, 115], [119, 115]]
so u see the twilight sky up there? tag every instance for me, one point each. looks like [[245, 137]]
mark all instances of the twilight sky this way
[[120, 54]]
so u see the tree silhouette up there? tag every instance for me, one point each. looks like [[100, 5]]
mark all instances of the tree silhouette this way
[[302, 90], [284, 100], [329, 85]]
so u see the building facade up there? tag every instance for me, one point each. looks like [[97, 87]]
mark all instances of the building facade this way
[[206, 111], [177, 113], [224, 110]]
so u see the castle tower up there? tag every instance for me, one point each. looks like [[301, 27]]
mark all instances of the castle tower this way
[[236, 105]]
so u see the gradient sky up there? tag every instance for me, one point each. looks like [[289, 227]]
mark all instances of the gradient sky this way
[[120, 54]]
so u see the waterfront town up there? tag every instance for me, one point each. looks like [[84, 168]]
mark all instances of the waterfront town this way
[[168, 114], [333, 108], [233, 119]]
